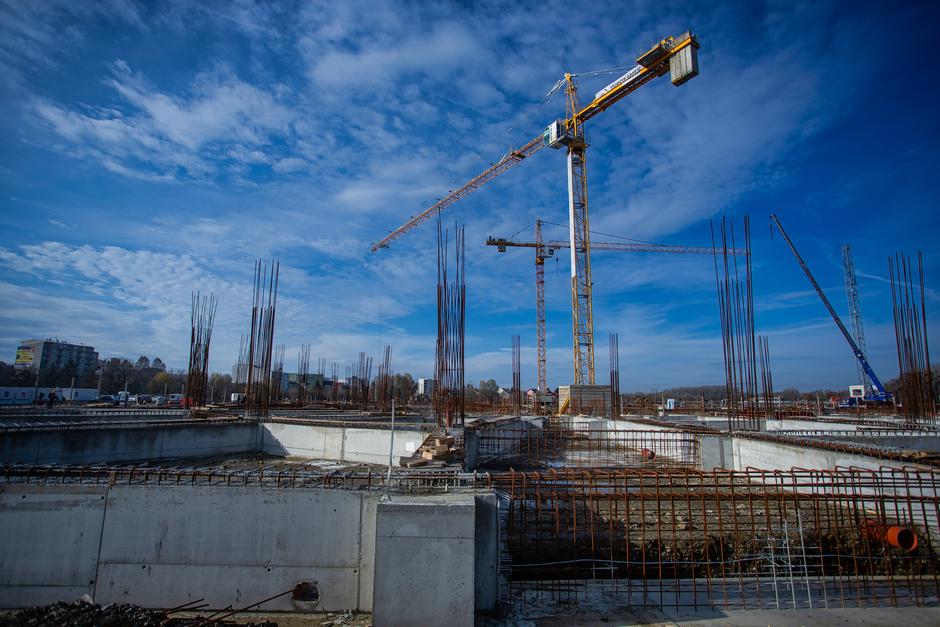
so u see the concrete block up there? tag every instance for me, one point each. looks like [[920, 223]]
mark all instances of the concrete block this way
[[717, 452], [486, 554], [367, 551], [49, 542], [424, 562]]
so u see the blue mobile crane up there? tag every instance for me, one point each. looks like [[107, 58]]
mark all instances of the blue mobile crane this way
[[880, 395]]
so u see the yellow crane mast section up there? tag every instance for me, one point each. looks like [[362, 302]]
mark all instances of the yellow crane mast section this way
[[659, 60]]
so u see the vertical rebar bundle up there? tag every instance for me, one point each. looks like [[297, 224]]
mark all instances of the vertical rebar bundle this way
[[241, 368], [614, 376], [449, 391], [383, 382], [767, 380], [516, 375], [359, 379], [303, 367], [277, 373], [321, 374], [202, 317], [261, 339], [736, 308], [334, 382], [918, 402]]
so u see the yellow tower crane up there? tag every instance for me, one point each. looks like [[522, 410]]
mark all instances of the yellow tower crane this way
[[677, 56]]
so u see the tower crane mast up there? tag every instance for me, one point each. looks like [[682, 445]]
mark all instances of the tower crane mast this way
[[855, 313], [544, 250], [677, 56]]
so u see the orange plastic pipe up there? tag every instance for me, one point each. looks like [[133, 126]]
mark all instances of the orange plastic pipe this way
[[896, 536]]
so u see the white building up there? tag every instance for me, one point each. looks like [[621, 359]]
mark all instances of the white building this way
[[426, 387]]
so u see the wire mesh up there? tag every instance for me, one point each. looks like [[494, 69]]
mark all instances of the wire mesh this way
[[759, 539]]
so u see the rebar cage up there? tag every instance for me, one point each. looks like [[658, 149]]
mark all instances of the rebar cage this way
[[686, 538]]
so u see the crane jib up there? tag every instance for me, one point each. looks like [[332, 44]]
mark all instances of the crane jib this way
[[675, 55]]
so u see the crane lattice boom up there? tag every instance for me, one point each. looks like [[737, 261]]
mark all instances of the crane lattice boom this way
[[654, 63]]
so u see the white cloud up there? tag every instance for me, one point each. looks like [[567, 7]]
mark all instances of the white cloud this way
[[163, 136]]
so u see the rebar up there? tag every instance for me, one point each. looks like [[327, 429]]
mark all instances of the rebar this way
[[202, 317], [303, 367], [736, 309], [261, 340], [516, 375], [767, 381], [277, 373], [918, 401], [615, 400], [686, 538], [383, 382], [449, 391], [559, 444]]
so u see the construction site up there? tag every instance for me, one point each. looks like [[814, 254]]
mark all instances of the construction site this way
[[544, 508]]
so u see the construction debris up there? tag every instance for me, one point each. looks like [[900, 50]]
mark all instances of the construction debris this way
[[438, 449], [83, 613]]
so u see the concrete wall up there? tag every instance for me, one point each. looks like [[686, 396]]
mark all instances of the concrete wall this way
[[424, 562], [776, 456], [350, 444], [161, 546], [87, 446], [49, 543], [787, 425]]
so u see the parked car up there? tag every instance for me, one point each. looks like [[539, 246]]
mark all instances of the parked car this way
[[159, 399], [175, 399], [105, 398]]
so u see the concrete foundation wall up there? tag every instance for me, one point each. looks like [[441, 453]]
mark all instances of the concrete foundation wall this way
[[339, 443], [424, 562], [809, 425], [776, 456], [88, 446], [49, 543], [161, 546]]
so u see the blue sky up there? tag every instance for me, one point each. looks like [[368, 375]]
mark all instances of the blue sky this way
[[149, 150]]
